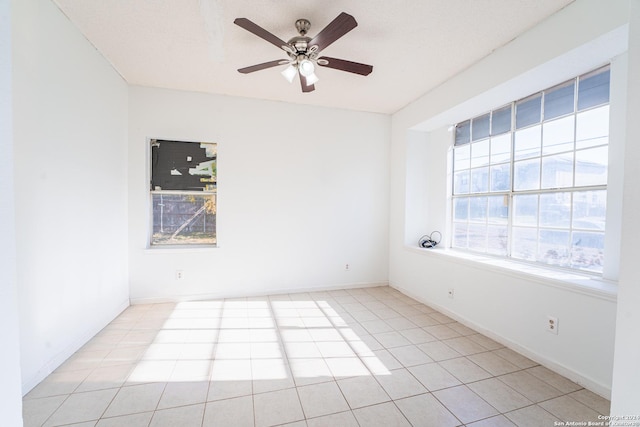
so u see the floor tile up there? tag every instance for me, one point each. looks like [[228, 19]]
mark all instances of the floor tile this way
[[529, 386], [483, 340], [310, 371], [556, 380], [376, 326], [135, 398], [362, 391], [277, 407], [219, 390], [400, 383], [387, 359], [465, 404], [106, 377], [322, 399], [134, 420], [182, 416], [81, 407], [442, 332], [499, 421], [516, 358], [424, 320], [417, 335], [401, 323], [237, 412], [593, 401], [493, 363], [59, 383], [566, 408], [437, 350], [464, 369], [464, 346], [425, 410], [433, 376], [183, 393], [410, 355], [391, 339], [342, 419], [346, 367], [462, 329], [532, 416], [499, 395], [381, 415], [36, 411]]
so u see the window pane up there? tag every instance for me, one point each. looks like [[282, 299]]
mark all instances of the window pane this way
[[559, 101], [591, 166], [463, 133], [525, 209], [478, 209], [527, 143], [587, 251], [461, 208], [480, 180], [179, 165], [501, 177], [553, 247], [593, 90], [461, 157], [180, 219], [524, 243], [478, 237], [459, 235], [557, 171], [501, 148], [501, 120], [558, 135], [498, 209], [497, 240], [592, 128], [526, 175], [480, 153], [555, 210], [589, 210], [480, 127], [528, 111], [461, 182]]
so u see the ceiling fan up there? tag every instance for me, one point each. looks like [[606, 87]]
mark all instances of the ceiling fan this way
[[304, 51]]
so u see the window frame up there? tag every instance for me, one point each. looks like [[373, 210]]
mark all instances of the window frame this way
[[213, 191], [511, 192]]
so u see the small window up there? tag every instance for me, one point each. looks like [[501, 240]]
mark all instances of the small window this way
[[183, 193]]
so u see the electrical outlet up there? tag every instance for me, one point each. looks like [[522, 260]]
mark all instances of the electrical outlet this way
[[179, 274], [450, 293], [552, 325], [347, 267]]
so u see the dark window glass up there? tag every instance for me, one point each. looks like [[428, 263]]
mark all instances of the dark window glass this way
[[559, 101], [593, 89], [463, 133], [177, 165], [501, 121], [480, 127], [528, 111]]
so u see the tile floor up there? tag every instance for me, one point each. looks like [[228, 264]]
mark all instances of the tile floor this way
[[358, 357]]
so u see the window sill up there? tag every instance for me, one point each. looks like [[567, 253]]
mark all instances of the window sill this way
[[180, 249], [571, 281]]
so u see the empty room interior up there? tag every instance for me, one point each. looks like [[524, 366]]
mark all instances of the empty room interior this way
[[304, 213]]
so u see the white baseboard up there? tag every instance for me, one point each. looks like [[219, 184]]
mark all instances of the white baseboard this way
[[235, 294], [63, 355], [583, 380]]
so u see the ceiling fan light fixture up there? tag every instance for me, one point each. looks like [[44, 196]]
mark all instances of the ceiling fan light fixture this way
[[289, 73], [312, 79], [306, 68]]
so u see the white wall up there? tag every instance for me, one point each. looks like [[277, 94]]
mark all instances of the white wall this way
[[302, 191], [70, 121], [626, 374], [10, 387], [509, 306]]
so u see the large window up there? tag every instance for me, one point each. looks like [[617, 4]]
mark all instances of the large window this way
[[530, 178], [183, 193]]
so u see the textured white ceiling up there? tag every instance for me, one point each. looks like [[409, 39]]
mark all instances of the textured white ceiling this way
[[193, 45]]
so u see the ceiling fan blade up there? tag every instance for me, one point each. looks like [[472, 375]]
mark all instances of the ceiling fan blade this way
[[260, 32], [258, 67], [303, 83], [332, 32], [344, 65]]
